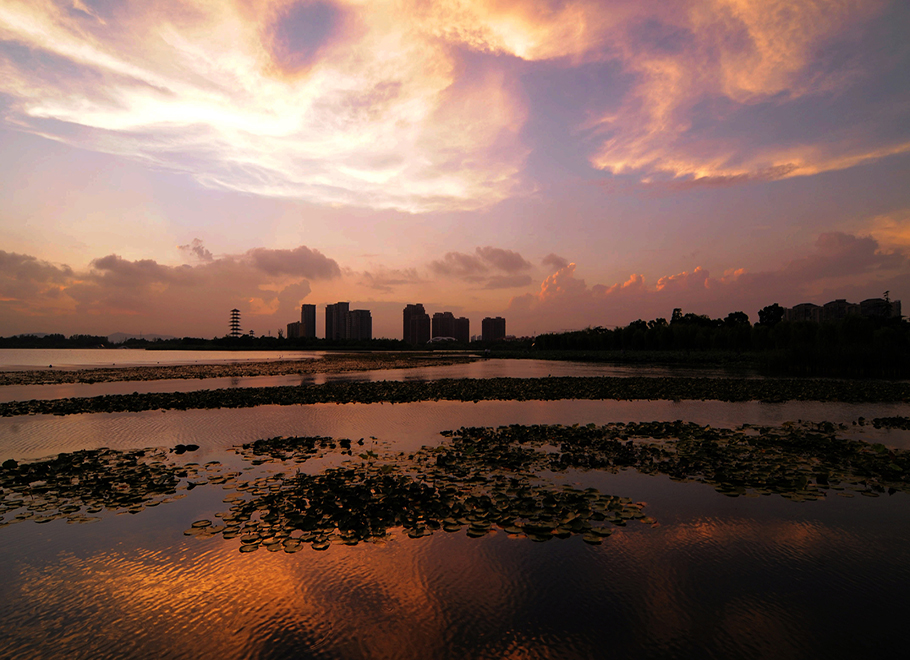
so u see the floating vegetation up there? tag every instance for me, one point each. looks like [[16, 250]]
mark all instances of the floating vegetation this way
[[450, 489], [486, 389], [902, 423], [797, 461], [483, 479], [73, 485], [298, 449], [477, 481], [328, 364]]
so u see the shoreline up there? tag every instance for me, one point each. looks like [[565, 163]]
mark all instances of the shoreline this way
[[329, 364], [489, 389]]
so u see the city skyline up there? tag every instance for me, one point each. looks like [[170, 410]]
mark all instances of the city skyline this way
[[561, 165]]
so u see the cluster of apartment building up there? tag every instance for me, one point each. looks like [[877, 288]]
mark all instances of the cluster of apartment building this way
[[341, 322], [840, 308], [419, 328]]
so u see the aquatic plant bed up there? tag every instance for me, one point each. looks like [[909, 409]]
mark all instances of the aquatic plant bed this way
[[564, 537], [329, 364], [488, 389], [477, 479]]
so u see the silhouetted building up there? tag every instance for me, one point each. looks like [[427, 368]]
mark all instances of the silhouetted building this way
[[839, 309], [235, 323], [879, 307], [443, 325], [344, 323], [308, 321], [336, 319], [493, 329], [306, 326], [359, 324], [462, 330], [416, 325], [803, 312]]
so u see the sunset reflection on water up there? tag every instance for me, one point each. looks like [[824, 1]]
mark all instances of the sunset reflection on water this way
[[750, 576]]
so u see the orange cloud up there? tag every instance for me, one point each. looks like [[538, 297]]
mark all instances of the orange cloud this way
[[684, 280], [372, 103], [364, 108], [891, 231], [744, 51]]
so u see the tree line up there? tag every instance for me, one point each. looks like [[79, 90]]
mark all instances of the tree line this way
[[735, 332], [55, 341]]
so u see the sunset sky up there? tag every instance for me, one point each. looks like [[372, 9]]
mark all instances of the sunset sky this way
[[559, 163]]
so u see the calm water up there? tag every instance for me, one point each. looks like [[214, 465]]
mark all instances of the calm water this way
[[12, 359], [713, 576], [487, 368]]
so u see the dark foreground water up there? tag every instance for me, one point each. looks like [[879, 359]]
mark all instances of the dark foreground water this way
[[99, 557], [718, 577]]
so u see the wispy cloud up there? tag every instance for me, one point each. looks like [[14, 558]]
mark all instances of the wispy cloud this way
[[336, 102], [419, 105], [710, 76]]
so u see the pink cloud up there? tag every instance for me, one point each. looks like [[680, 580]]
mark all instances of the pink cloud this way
[[485, 265], [266, 285], [301, 261], [554, 261], [838, 265]]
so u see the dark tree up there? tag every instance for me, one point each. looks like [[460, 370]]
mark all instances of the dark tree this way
[[771, 315], [735, 319]]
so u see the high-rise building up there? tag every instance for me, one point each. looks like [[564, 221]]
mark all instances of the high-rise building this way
[[446, 325], [344, 323], [308, 321], [359, 324], [336, 319], [416, 327], [443, 324], [493, 329], [306, 327], [462, 330]]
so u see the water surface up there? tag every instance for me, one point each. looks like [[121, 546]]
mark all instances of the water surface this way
[[17, 359], [709, 575], [484, 368]]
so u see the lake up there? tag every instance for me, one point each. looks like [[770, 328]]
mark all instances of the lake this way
[[482, 368], [352, 558], [87, 358]]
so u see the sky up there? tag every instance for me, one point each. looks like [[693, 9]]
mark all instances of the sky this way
[[562, 164]]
